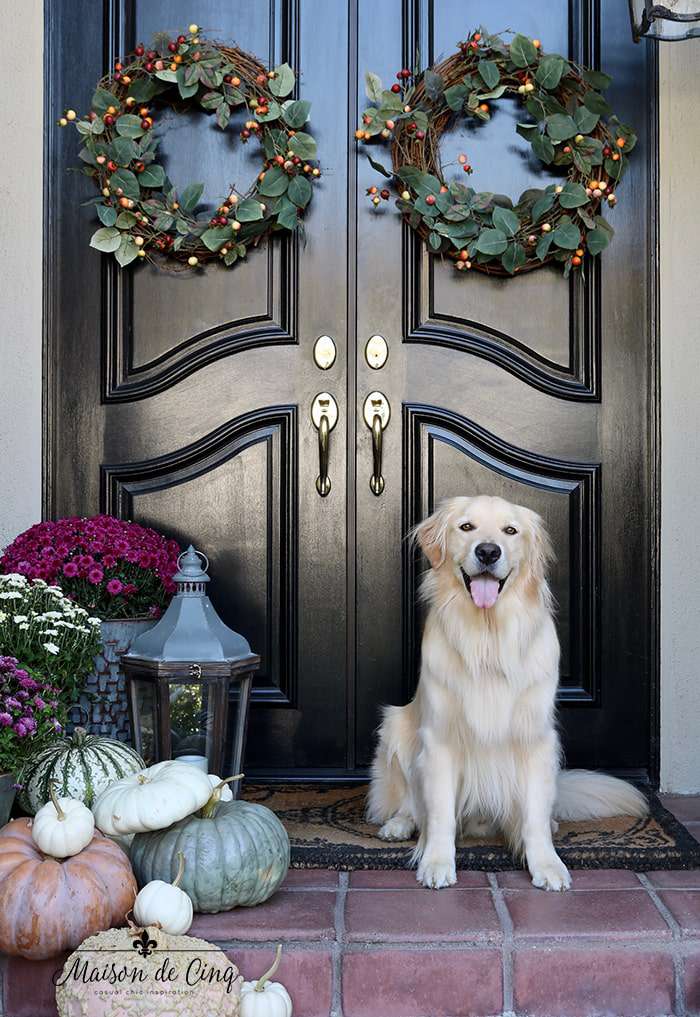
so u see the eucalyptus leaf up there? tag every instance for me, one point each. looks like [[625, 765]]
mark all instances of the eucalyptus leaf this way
[[107, 239], [274, 183], [491, 241], [167, 75], [549, 72], [513, 257], [287, 215], [125, 180], [595, 102], [373, 86], [506, 221], [129, 126], [597, 79], [543, 245], [455, 96], [107, 215], [223, 115], [561, 127], [303, 145], [152, 176], [489, 73], [215, 237], [296, 113], [102, 100], [300, 191], [283, 82], [123, 150], [541, 206], [127, 251], [143, 89], [211, 100], [543, 148], [435, 240], [573, 196], [377, 166], [189, 199], [249, 210], [597, 240], [523, 52], [566, 236], [585, 119], [434, 85]]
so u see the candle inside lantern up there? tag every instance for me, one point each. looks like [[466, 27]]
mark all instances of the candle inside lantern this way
[[199, 761]]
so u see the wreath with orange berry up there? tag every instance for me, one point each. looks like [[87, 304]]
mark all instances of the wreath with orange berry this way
[[569, 125], [142, 214]]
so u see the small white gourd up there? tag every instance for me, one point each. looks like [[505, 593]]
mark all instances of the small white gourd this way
[[165, 904], [226, 794], [63, 827], [265, 998]]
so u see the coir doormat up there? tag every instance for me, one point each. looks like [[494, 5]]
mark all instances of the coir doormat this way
[[327, 829]]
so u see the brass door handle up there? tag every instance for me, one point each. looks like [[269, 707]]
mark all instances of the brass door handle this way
[[377, 414], [324, 414]]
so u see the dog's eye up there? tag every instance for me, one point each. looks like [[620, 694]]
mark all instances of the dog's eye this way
[[510, 530], [466, 527]]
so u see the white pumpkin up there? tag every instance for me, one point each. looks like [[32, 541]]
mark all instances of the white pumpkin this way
[[165, 904], [225, 792], [152, 799], [63, 827], [265, 998]]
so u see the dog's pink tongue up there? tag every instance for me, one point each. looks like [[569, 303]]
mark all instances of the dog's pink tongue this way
[[484, 590]]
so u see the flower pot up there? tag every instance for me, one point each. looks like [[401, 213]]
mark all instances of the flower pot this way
[[7, 796], [103, 707]]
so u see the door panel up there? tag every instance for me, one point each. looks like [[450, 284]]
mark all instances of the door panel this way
[[183, 400]]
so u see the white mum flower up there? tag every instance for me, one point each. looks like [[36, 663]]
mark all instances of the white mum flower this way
[[95, 621], [3, 616], [50, 632], [23, 626], [51, 647], [19, 618], [10, 595]]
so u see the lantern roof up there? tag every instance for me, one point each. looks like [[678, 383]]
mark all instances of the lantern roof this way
[[190, 630]]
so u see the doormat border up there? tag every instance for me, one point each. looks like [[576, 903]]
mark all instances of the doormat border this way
[[683, 853]]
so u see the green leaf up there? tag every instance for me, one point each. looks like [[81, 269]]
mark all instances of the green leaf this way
[[585, 119], [102, 100], [143, 89], [543, 245], [566, 236], [489, 73], [550, 71], [163, 221], [303, 145], [216, 237], [125, 220], [377, 166], [191, 74], [573, 195], [597, 79], [434, 85], [152, 176], [274, 183], [107, 214], [274, 112], [495, 93], [283, 82], [373, 86], [581, 162], [597, 240], [527, 131], [543, 148], [491, 242], [300, 191], [211, 100], [186, 88], [513, 257], [455, 96], [126, 180], [561, 127], [522, 52], [223, 115], [107, 239], [541, 206], [230, 257], [287, 215], [189, 199], [167, 75], [411, 176], [123, 150], [296, 112], [434, 240], [127, 251], [129, 126], [596, 103], [248, 210], [505, 220]]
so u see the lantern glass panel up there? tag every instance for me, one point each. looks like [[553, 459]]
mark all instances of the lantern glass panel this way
[[143, 705], [191, 720]]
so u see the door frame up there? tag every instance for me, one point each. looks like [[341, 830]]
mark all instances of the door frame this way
[[51, 396]]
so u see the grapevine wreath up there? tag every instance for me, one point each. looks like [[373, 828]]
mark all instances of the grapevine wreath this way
[[570, 127], [143, 215]]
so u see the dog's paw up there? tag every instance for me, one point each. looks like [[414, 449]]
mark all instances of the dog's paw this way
[[397, 828], [551, 875], [436, 874]]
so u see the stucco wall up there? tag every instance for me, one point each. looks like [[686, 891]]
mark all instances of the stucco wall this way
[[21, 117], [20, 353], [680, 440]]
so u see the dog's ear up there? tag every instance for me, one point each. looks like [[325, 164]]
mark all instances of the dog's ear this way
[[541, 550], [431, 535]]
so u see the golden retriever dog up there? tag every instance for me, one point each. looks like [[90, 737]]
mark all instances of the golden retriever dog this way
[[477, 748]]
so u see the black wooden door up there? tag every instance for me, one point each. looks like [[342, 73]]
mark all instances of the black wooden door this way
[[185, 401]]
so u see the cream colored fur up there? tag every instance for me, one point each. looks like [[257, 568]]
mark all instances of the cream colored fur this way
[[478, 746]]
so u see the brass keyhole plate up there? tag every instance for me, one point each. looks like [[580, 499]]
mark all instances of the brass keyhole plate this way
[[324, 405], [376, 404], [376, 352], [324, 352]]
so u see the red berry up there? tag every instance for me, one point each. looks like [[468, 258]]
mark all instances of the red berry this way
[[151, 54], [385, 194], [108, 119], [222, 220], [112, 166], [396, 89], [245, 133], [430, 199], [139, 51], [117, 75], [181, 39], [172, 46], [149, 67], [145, 124], [228, 79], [405, 73], [420, 135], [412, 126]]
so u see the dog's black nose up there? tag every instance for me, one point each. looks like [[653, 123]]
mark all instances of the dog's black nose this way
[[487, 553]]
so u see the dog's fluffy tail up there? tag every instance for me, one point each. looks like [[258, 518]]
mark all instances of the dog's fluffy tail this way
[[583, 794]]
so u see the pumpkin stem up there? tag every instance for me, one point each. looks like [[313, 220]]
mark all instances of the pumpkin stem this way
[[208, 807], [54, 799], [79, 736], [180, 868], [260, 984]]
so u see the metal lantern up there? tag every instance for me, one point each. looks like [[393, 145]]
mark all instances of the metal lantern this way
[[668, 22], [182, 674]]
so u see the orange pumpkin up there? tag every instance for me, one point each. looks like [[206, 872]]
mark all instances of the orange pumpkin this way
[[48, 906]]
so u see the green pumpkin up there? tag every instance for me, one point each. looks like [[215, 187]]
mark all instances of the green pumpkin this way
[[77, 767], [236, 858]]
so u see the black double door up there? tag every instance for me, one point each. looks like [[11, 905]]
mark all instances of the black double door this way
[[185, 401]]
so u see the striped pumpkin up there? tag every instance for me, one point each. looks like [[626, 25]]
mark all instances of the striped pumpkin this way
[[77, 767]]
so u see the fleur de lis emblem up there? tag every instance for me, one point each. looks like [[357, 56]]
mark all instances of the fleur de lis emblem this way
[[144, 944]]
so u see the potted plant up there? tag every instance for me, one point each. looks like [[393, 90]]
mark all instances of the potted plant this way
[[30, 717], [120, 573]]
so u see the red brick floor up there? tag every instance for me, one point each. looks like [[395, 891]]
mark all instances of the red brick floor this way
[[374, 944]]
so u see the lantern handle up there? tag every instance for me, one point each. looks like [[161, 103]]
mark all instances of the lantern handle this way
[[200, 553]]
